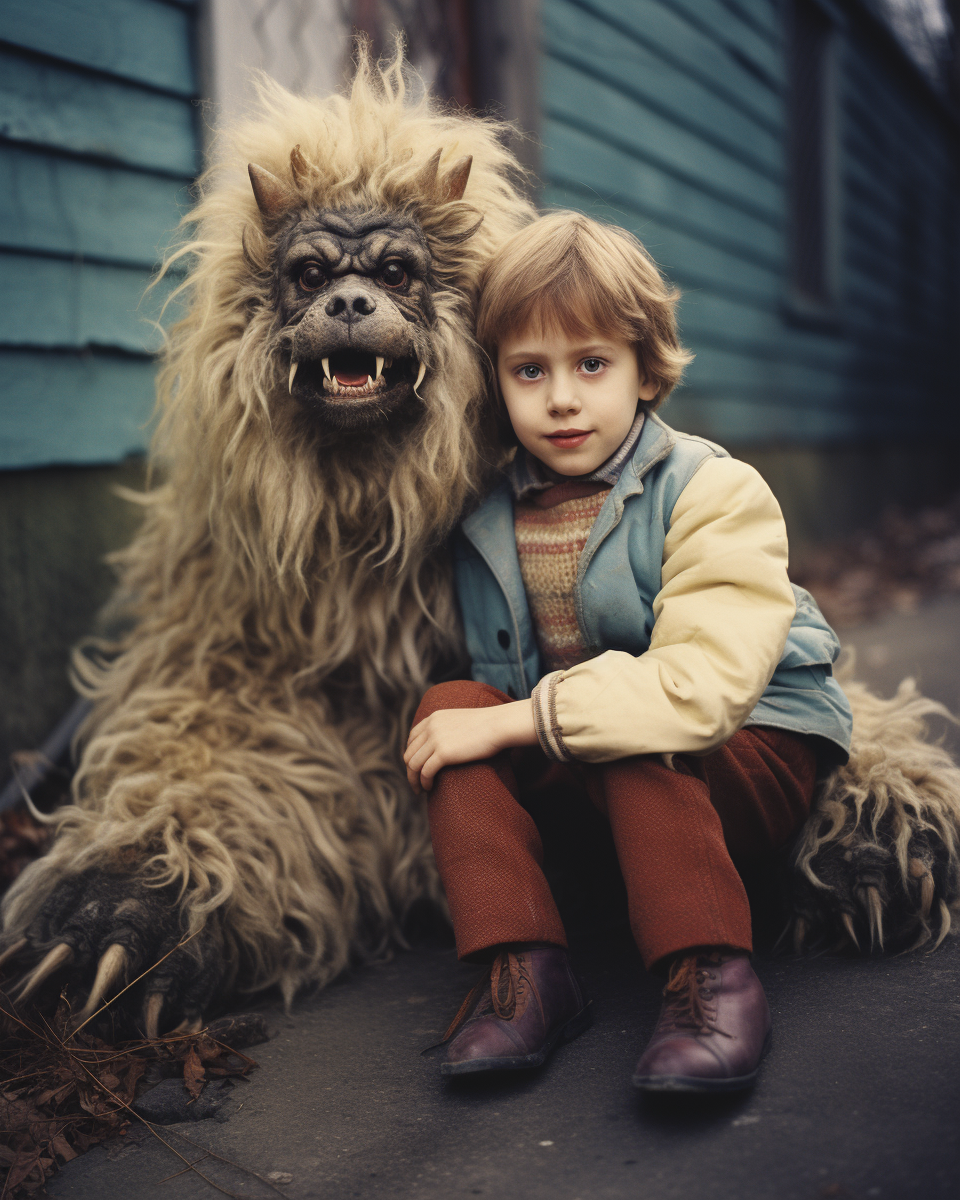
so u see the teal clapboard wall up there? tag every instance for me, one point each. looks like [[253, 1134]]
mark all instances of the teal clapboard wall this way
[[669, 117], [98, 148]]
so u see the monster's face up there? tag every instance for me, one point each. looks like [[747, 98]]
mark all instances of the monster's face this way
[[356, 288]]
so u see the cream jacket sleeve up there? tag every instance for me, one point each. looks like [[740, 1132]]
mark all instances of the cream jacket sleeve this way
[[721, 621]]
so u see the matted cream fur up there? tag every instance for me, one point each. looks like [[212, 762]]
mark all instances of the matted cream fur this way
[[290, 607]]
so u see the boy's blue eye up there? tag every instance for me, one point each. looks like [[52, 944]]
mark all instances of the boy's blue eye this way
[[592, 365], [529, 371]]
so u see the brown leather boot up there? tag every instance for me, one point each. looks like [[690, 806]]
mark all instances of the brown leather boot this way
[[714, 1028], [530, 1001]]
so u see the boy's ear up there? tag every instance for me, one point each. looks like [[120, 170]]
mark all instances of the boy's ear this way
[[649, 389]]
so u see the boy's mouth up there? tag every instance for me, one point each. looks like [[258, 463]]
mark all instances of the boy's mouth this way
[[568, 438]]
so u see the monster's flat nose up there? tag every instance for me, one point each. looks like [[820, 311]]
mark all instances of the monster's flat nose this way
[[348, 306]]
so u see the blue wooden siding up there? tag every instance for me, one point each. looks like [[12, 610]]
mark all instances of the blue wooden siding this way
[[98, 148], [669, 117]]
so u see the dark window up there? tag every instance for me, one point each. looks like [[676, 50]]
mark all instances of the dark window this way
[[812, 50]]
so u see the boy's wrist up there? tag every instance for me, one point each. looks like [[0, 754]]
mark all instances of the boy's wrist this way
[[515, 724]]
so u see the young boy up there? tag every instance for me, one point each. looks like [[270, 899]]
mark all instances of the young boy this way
[[631, 628]]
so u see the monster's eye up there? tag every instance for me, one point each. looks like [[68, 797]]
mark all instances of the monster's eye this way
[[393, 274], [312, 277]]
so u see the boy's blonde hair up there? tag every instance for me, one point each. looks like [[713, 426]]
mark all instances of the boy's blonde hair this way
[[568, 271]]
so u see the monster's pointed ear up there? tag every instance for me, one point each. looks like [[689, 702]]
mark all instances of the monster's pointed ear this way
[[455, 183], [427, 176], [273, 199]]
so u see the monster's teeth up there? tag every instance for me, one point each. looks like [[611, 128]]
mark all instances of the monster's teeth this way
[[325, 363], [369, 382], [388, 362], [293, 371], [379, 366], [420, 375]]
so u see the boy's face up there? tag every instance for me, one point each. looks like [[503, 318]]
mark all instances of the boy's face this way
[[571, 400]]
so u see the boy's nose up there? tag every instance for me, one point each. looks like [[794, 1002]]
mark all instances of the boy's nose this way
[[563, 399]]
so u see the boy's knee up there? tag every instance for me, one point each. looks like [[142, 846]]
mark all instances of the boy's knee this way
[[459, 693]]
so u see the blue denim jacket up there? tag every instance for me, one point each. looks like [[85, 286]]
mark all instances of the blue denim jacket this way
[[618, 578]]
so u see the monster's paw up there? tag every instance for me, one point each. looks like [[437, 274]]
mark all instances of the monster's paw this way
[[853, 892], [98, 932]]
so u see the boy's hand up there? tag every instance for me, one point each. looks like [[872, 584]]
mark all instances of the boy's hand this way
[[461, 735]]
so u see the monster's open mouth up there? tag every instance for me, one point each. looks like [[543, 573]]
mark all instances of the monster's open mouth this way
[[355, 375]]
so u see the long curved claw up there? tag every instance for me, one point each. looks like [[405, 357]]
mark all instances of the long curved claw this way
[[110, 969], [799, 934], [920, 873], [189, 1025], [848, 926], [875, 913], [58, 957], [945, 922], [927, 889], [152, 1008], [12, 951]]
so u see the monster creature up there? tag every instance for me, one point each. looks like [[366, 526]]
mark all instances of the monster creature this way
[[241, 816], [319, 433]]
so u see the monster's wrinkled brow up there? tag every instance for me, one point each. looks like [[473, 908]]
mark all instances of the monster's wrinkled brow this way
[[359, 224], [357, 235]]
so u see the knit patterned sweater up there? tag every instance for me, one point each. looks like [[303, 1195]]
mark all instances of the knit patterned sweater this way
[[552, 527]]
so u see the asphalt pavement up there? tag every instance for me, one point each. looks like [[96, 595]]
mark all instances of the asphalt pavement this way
[[858, 1098]]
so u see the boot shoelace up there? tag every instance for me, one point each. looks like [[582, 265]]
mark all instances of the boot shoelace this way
[[498, 990], [685, 994]]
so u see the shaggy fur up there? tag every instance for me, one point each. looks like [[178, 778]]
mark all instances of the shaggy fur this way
[[290, 606], [878, 863]]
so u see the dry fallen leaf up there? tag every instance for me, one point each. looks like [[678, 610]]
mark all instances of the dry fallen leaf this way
[[60, 1095], [193, 1073]]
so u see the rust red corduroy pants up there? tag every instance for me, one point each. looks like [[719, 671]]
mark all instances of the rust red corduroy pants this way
[[676, 834]]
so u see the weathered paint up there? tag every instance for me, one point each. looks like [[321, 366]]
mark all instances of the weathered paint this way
[[44, 104], [67, 407], [145, 41], [72, 303], [99, 149], [68, 206]]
